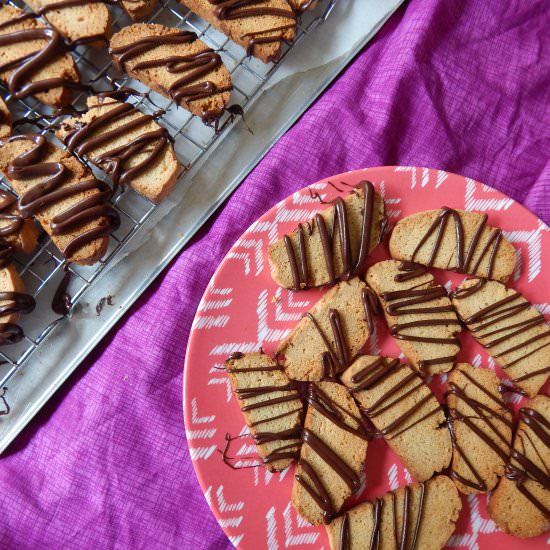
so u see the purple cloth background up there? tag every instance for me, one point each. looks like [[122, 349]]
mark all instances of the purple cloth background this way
[[463, 86]]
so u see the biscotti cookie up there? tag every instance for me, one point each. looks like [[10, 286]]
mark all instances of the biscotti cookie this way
[[127, 144], [514, 333], [176, 64], [520, 505], [333, 246], [259, 26], [481, 428], [420, 515], [419, 314], [16, 232], [270, 404], [301, 6], [139, 10], [13, 299], [84, 22], [330, 335], [64, 196], [404, 411], [334, 446], [456, 240], [33, 60], [5, 120]]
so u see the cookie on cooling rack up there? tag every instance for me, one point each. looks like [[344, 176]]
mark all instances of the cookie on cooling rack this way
[[11, 288], [334, 245], [5, 120], [330, 335], [419, 314], [481, 428], [403, 410], [126, 143], [89, 23], [520, 505], [420, 515], [139, 10], [260, 28], [75, 211], [514, 333], [456, 240], [270, 404], [35, 65], [334, 445], [21, 234], [176, 64]]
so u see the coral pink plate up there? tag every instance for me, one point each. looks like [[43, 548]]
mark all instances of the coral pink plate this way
[[242, 309]]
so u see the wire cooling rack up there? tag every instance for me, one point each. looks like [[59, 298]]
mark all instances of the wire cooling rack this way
[[44, 269]]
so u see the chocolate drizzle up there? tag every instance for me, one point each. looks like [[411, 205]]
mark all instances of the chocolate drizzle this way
[[188, 88], [351, 267], [464, 258], [496, 419], [32, 164], [94, 134], [520, 468], [379, 372]]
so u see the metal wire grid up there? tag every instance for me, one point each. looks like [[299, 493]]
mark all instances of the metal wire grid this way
[[43, 270]]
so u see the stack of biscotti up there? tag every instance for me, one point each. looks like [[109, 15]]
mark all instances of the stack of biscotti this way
[[261, 27], [88, 23], [5, 120], [176, 64], [76, 173], [421, 515], [520, 504], [270, 404], [19, 51], [353, 227], [129, 145], [140, 10], [404, 411]]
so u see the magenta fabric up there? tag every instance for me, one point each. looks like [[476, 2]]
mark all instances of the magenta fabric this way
[[458, 85]]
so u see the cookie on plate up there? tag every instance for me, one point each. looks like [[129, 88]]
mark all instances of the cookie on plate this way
[[403, 410], [261, 27], [176, 64], [270, 404], [420, 515], [126, 143], [520, 505], [334, 245], [419, 314], [330, 335], [481, 428], [514, 333], [456, 240], [334, 446]]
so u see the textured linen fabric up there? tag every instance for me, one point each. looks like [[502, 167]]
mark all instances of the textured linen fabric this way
[[458, 85]]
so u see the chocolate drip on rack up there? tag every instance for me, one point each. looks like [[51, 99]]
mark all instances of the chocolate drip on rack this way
[[81, 142], [463, 257], [378, 373], [520, 468], [298, 260], [33, 164], [481, 412], [196, 65]]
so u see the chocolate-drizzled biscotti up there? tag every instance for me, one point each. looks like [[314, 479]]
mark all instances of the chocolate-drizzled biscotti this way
[[259, 26], [417, 516], [419, 314], [330, 335], [33, 59], [334, 445], [176, 64], [5, 120], [81, 21], [126, 143], [520, 505], [514, 333], [481, 428], [270, 404], [403, 410], [16, 232], [66, 199], [334, 245], [455, 240]]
